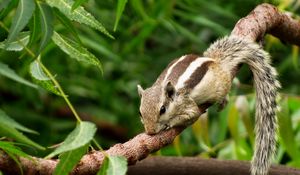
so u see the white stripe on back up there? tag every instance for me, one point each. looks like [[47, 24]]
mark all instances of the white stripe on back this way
[[171, 68], [190, 70]]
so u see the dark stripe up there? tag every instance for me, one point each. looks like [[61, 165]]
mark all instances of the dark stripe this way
[[197, 75], [163, 74], [180, 68]]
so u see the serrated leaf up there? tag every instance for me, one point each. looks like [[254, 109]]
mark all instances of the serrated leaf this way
[[78, 3], [41, 78], [79, 15], [9, 73], [9, 147], [23, 14], [81, 135], [120, 9], [67, 23], [10, 132], [76, 51], [68, 160], [104, 167], [117, 165], [46, 18], [37, 72], [4, 118], [18, 44]]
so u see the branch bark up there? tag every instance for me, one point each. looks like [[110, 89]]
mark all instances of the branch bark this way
[[263, 19]]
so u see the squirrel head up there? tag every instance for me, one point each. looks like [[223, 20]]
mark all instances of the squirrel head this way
[[163, 107]]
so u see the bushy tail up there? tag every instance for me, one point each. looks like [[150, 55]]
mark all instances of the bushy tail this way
[[232, 51]]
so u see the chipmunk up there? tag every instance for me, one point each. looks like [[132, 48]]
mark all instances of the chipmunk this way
[[192, 82]]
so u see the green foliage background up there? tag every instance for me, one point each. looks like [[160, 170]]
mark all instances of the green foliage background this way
[[148, 36]]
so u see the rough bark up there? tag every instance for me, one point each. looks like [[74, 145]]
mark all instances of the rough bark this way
[[263, 19]]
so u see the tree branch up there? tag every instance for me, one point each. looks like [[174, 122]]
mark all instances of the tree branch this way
[[263, 19]]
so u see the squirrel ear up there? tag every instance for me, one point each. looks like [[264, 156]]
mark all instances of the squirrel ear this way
[[170, 90], [140, 90]]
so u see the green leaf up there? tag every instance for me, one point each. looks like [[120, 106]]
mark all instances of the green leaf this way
[[35, 28], [9, 147], [113, 165], [67, 23], [23, 14], [104, 167], [79, 15], [9, 73], [5, 119], [17, 44], [41, 78], [46, 18], [78, 3], [68, 160], [120, 9], [10, 132], [37, 72], [80, 136], [76, 51], [117, 165]]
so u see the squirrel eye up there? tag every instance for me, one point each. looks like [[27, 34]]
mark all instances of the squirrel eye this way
[[162, 110]]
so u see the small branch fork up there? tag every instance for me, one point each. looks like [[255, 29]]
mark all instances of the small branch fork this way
[[264, 19]]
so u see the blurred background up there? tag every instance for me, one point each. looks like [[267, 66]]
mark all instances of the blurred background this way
[[150, 34]]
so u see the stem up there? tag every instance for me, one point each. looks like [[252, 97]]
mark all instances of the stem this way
[[57, 85]]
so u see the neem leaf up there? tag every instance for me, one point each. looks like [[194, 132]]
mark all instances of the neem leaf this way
[[4, 118], [9, 73], [10, 147], [79, 14], [80, 136], [10, 132], [76, 51], [41, 78], [23, 14], [68, 160], [113, 165], [117, 165], [17, 44], [46, 18], [67, 23]]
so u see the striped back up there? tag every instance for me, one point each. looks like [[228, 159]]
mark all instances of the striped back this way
[[185, 72]]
